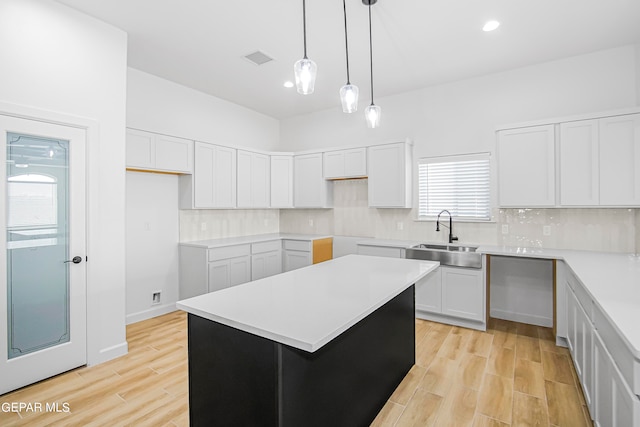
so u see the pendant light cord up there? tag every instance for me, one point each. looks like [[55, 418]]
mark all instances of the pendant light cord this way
[[304, 27], [371, 52], [346, 43]]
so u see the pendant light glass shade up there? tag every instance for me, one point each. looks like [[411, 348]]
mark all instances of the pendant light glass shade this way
[[372, 113], [305, 71], [349, 98]]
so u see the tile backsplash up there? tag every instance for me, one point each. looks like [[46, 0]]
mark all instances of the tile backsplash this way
[[607, 230]]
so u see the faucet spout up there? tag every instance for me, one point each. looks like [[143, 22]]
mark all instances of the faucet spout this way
[[450, 226]]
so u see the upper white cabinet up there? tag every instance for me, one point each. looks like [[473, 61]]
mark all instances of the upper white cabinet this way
[[526, 166], [578, 149], [345, 163], [253, 180], [282, 181], [389, 171], [620, 160], [311, 190], [214, 179], [150, 151]]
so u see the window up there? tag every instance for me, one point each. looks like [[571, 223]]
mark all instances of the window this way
[[459, 184]]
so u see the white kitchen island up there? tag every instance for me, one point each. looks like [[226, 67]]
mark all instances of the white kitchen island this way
[[322, 345]]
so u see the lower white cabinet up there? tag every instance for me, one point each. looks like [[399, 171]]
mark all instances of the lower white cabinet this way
[[429, 292], [453, 295], [266, 259], [229, 272], [580, 340], [615, 405], [463, 293], [297, 254], [385, 251]]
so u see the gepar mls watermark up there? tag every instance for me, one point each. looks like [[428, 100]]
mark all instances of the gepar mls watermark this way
[[37, 407]]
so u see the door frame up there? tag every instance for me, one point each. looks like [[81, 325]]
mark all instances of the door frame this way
[[95, 353]]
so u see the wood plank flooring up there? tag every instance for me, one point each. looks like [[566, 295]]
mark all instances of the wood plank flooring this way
[[511, 375]]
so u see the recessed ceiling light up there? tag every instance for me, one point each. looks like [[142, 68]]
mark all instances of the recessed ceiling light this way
[[288, 84], [490, 26]]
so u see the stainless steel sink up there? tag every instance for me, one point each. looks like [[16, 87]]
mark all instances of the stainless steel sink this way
[[454, 255]]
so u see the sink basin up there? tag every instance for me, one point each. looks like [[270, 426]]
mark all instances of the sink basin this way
[[453, 255]]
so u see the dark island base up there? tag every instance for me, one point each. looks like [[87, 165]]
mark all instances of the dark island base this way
[[240, 379]]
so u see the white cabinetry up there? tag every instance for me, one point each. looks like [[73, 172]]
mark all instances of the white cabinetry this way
[[229, 266], [389, 172], [150, 151], [253, 180], [266, 259], [214, 179], [385, 251], [454, 296], [310, 188], [297, 254], [526, 166], [620, 160], [281, 181], [429, 292], [578, 149], [580, 336], [345, 163]]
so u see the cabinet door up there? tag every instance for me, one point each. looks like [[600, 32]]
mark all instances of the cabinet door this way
[[173, 154], [310, 188], [355, 162], [266, 264], [224, 177], [281, 181], [579, 169], [140, 152], [463, 293], [526, 166], [620, 160], [244, 179], [296, 259], [239, 270], [219, 275], [333, 164], [260, 180], [429, 293], [389, 176], [584, 352], [203, 175]]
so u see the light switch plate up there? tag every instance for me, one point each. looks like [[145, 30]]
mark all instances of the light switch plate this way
[[546, 230], [505, 228]]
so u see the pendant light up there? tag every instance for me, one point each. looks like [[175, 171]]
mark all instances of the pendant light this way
[[305, 69], [372, 112], [348, 92]]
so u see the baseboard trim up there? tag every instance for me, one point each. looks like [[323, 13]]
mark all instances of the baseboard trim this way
[[448, 320], [150, 313], [530, 319], [110, 353]]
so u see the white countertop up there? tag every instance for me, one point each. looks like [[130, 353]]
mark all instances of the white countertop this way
[[308, 307], [613, 280], [241, 240], [404, 244]]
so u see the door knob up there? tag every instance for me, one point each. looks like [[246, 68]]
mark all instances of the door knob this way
[[76, 260]]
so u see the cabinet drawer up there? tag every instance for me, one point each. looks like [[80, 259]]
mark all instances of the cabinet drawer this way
[[229, 252], [258, 248], [622, 356], [297, 245]]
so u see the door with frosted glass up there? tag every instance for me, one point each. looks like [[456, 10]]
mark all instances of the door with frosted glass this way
[[42, 251]]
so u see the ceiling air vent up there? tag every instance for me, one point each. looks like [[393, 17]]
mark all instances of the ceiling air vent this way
[[258, 57]]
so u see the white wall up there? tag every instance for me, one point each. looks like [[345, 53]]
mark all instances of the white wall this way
[[59, 60], [159, 105], [151, 244], [461, 117]]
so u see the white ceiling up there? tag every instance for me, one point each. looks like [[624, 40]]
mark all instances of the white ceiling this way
[[416, 43]]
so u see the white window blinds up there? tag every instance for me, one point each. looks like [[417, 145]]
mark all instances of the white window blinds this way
[[459, 184]]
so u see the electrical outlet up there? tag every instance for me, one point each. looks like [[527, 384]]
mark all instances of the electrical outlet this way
[[155, 298], [310, 222], [147, 226], [505, 228], [400, 225], [203, 226], [546, 230]]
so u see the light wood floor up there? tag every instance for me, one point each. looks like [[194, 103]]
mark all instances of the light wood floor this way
[[512, 375]]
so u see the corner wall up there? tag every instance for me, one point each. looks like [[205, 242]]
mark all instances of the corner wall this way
[[58, 60]]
